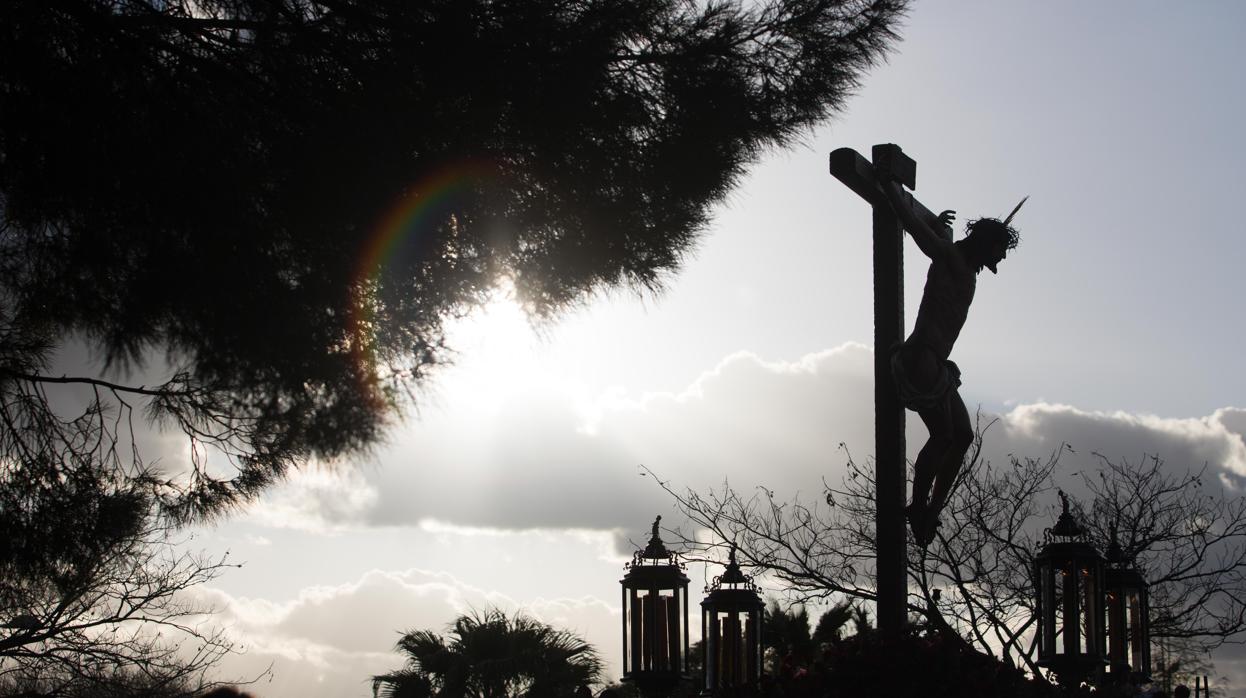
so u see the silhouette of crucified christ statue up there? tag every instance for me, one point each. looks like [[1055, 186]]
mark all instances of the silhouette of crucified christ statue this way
[[924, 376]]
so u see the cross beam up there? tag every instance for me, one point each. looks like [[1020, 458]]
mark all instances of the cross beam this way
[[859, 174], [862, 176]]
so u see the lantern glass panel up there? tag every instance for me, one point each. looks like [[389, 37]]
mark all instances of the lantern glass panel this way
[[1139, 632], [1127, 621], [1065, 641], [655, 631], [1122, 613], [732, 647], [1047, 600], [1134, 605], [1069, 573], [635, 631], [1092, 614]]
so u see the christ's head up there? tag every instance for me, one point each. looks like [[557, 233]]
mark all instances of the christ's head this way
[[988, 240]]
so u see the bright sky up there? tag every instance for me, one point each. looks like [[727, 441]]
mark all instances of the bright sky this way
[[1111, 326]]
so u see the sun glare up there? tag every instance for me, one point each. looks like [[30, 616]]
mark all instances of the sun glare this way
[[497, 355]]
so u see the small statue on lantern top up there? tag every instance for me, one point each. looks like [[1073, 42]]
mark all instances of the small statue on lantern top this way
[[655, 550]]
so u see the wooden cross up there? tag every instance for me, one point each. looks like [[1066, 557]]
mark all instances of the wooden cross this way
[[862, 176]]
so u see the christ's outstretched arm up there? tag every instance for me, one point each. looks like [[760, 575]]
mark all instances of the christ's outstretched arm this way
[[934, 243]]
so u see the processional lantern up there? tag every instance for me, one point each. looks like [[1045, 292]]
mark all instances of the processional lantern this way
[[1070, 576], [655, 619], [1128, 611], [731, 630]]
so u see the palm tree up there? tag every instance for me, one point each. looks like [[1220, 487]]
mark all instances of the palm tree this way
[[832, 623], [786, 633], [490, 655]]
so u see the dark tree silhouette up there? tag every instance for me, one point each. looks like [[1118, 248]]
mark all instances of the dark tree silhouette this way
[[287, 198], [281, 201], [93, 583], [102, 614], [114, 684], [490, 655]]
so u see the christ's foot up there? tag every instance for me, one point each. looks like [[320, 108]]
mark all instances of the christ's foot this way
[[917, 513], [923, 520]]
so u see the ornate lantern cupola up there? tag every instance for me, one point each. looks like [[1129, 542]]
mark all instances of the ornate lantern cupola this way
[[1129, 632], [731, 630], [655, 619], [1070, 576]]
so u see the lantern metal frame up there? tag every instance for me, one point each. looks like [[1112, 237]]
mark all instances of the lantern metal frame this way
[[1128, 616], [1070, 602], [655, 619], [732, 621]]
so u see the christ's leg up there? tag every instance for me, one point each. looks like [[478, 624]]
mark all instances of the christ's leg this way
[[938, 421], [922, 370], [939, 425], [960, 438]]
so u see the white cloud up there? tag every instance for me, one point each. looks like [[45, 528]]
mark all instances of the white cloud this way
[[537, 464], [329, 640], [317, 498], [1215, 440]]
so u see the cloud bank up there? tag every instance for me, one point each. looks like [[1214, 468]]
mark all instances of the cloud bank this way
[[330, 639], [540, 462]]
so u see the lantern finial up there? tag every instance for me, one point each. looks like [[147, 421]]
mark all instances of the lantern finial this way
[[1114, 554], [1066, 526], [655, 550], [733, 575]]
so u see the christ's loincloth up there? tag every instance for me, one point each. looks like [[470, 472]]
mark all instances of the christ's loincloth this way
[[923, 399]]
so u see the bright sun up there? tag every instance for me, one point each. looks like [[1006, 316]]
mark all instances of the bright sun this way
[[496, 354], [499, 360]]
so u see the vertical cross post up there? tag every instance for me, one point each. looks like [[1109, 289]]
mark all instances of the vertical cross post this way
[[888, 414], [889, 452]]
